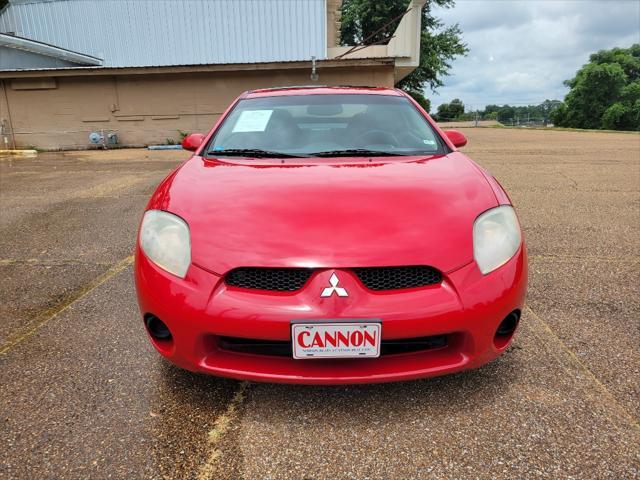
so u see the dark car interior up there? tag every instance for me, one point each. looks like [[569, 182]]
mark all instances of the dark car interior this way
[[330, 126]]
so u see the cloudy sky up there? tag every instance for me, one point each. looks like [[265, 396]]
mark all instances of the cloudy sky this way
[[522, 50]]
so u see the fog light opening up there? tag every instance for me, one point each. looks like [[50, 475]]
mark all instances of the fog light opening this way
[[157, 328], [506, 329]]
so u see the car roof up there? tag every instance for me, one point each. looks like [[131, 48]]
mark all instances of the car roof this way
[[320, 90]]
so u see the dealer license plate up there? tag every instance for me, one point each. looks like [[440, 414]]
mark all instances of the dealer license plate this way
[[336, 340]]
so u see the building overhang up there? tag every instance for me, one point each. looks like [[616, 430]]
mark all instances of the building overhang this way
[[177, 69], [47, 50], [404, 46]]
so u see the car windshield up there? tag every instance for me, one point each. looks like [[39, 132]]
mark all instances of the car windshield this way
[[325, 126]]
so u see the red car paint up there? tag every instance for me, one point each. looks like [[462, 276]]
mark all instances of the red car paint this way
[[332, 215]]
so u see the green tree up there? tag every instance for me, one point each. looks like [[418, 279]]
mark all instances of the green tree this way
[[547, 107], [456, 108], [363, 21], [617, 117], [631, 93], [635, 114], [450, 111], [423, 101], [627, 58], [559, 115], [540, 113], [443, 113], [506, 113], [489, 109], [604, 92]]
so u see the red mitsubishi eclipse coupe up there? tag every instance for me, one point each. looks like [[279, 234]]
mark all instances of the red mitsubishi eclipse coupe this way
[[329, 235]]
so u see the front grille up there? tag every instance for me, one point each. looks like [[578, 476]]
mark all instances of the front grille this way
[[408, 345], [284, 349], [395, 278], [275, 279], [257, 347], [292, 279]]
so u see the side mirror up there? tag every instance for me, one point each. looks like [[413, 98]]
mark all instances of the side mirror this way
[[192, 141], [457, 138]]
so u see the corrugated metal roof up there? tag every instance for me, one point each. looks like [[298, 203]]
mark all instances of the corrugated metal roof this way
[[136, 33]]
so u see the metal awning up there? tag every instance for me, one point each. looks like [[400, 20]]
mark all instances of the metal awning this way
[[40, 48]]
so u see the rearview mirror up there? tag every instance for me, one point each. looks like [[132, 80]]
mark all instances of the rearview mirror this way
[[457, 138], [192, 141]]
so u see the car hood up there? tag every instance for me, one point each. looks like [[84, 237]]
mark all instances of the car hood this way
[[413, 211]]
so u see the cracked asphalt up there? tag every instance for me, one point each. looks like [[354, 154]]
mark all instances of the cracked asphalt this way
[[84, 395]]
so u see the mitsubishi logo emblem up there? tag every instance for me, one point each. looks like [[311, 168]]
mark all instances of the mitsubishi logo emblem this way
[[333, 281]]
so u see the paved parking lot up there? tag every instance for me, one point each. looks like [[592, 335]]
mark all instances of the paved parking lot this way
[[84, 395]]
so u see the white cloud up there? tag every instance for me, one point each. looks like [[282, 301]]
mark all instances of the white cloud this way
[[521, 51]]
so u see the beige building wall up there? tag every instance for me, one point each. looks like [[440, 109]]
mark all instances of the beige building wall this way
[[148, 108], [334, 14], [6, 140]]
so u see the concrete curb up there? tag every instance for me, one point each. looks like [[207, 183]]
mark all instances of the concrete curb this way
[[21, 153]]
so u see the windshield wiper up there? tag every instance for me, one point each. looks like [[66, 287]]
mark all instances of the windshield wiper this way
[[357, 152], [252, 152]]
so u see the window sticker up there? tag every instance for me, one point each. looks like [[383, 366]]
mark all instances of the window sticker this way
[[252, 121]]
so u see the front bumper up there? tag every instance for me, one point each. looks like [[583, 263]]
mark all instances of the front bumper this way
[[467, 306]]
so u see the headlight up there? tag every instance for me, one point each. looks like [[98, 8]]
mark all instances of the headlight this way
[[164, 238], [496, 238]]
